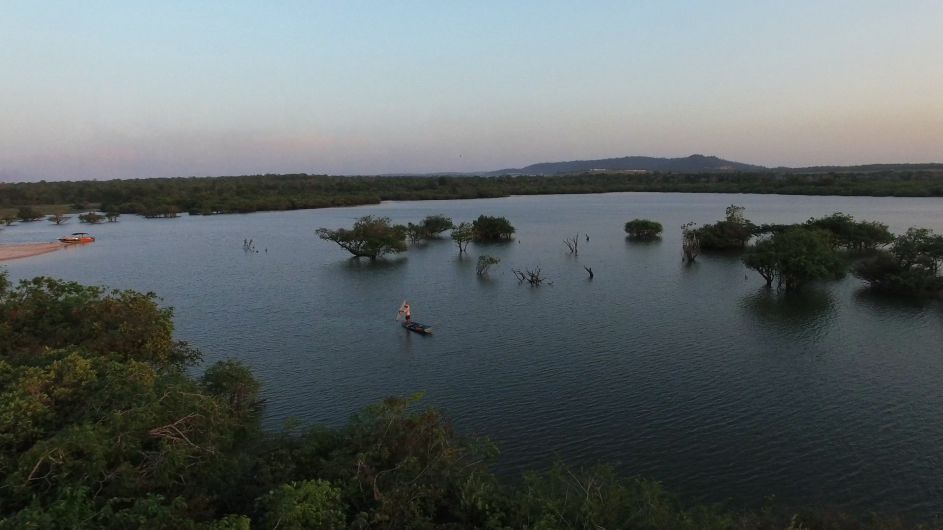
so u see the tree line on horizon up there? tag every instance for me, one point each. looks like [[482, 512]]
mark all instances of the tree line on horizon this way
[[166, 197]]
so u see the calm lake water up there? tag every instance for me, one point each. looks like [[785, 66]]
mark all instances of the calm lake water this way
[[693, 375]]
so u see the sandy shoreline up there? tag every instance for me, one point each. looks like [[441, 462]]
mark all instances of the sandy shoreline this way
[[25, 250]]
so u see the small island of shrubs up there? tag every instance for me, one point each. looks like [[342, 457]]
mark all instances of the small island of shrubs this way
[[372, 237], [643, 229], [827, 248]]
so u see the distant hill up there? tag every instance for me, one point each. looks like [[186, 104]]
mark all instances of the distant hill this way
[[689, 164], [692, 164]]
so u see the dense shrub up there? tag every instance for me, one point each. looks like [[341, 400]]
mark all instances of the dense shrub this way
[[643, 229]]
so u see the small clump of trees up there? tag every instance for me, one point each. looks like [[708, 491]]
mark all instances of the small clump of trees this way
[[164, 211], [857, 236], [826, 247], [429, 228], [485, 229], [911, 266], [860, 237], [732, 233], [795, 257], [643, 229], [492, 229], [28, 214], [370, 237], [91, 218]]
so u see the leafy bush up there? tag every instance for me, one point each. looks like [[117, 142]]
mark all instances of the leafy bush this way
[[910, 267], [795, 257], [91, 218], [643, 229], [732, 233], [492, 229], [370, 237]]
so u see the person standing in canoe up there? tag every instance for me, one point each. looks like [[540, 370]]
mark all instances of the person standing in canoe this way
[[404, 311]]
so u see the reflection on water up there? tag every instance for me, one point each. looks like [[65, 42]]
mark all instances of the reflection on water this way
[[886, 302], [809, 306], [694, 375], [359, 265], [642, 241]]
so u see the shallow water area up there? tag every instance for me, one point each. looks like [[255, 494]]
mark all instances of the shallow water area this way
[[695, 375]]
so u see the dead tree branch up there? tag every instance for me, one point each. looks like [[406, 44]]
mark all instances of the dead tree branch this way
[[533, 277], [573, 244]]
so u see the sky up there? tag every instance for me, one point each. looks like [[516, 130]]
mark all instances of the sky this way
[[128, 89]]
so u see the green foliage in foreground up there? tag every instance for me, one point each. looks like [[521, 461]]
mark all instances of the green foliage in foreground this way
[[643, 229], [102, 426]]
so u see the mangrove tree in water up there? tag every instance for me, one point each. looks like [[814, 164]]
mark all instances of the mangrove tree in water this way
[[643, 229], [488, 229], [910, 267], [370, 237], [795, 257]]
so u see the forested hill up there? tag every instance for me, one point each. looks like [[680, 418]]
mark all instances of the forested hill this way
[[689, 164], [694, 164]]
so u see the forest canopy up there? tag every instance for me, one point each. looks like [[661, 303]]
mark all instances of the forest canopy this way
[[211, 195]]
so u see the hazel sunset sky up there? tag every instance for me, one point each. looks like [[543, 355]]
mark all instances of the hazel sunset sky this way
[[128, 89]]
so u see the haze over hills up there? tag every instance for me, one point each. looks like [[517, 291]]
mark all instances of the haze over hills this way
[[693, 164], [690, 164]]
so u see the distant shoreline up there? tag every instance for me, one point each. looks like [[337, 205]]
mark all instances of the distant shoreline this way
[[27, 250], [254, 193]]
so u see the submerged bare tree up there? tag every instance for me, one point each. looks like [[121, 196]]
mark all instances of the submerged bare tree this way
[[590, 271], [531, 276], [573, 243], [58, 218], [690, 245]]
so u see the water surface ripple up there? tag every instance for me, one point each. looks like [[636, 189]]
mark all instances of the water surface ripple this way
[[695, 376]]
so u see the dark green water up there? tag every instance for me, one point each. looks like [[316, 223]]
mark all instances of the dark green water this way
[[696, 376]]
